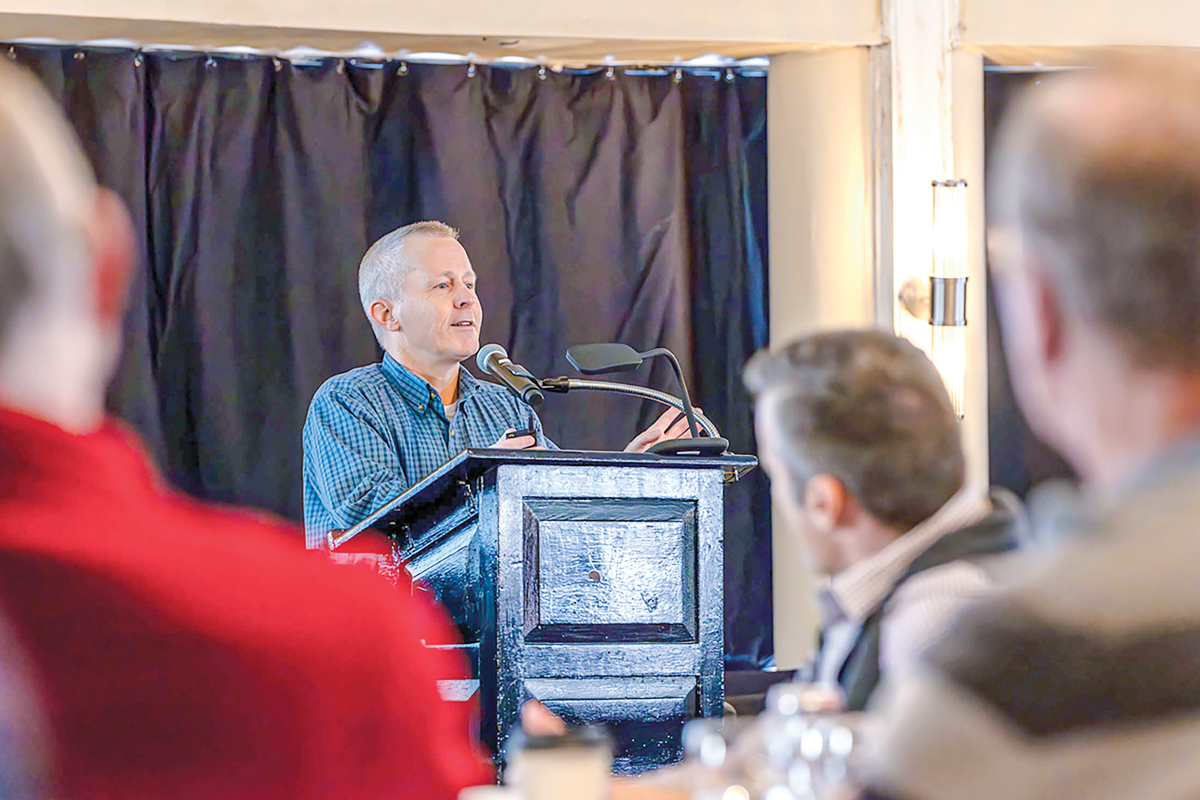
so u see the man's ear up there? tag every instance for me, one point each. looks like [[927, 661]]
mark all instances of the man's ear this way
[[111, 238], [381, 313], [1049, 319], [825, 502]]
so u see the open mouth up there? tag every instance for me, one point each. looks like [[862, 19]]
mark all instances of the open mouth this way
[[464, 324]]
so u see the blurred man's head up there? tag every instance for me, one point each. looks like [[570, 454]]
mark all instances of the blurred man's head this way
[[65, 255], [1095, 242], [418, 290], [860, 439]]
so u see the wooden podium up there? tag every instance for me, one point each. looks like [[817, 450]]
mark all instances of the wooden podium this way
[[592, 582]]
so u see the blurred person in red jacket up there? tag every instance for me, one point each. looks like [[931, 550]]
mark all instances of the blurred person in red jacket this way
[[23, 743], [179, 650]]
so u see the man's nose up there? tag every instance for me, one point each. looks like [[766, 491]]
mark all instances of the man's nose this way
[[465, 297]]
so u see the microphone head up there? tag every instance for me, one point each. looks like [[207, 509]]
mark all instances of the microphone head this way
[[485, 355], [599, 359]]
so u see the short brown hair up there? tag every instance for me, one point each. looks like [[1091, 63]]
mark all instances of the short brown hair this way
[[869, 409], [1097, 176]]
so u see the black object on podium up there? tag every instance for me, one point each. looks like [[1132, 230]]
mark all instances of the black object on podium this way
[[592, 582]]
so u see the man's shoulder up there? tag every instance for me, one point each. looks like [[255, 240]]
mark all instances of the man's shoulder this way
[[353, 381], [364, 386]]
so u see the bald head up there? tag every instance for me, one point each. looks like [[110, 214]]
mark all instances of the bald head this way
[[47, 198], [66, 253], [1096, 185]]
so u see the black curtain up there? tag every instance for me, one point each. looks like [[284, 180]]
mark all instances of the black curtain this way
[[595, 207]]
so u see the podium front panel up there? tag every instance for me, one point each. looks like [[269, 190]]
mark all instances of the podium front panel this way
[[607, 599], [600, 569]]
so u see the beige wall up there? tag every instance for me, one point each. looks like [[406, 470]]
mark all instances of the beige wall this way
[[769, 23], [820, 201], [1080, 23]]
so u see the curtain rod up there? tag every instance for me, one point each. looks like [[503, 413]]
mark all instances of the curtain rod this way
[[369, 53]]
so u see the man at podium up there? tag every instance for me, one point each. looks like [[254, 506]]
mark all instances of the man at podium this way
[[374, 431]]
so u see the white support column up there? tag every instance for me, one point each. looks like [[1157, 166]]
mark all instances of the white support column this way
[[936, 104], [967, 118], [820, 140]]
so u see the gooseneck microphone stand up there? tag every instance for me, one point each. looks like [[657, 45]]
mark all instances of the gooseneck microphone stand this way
[[564, 384], [594, 359]]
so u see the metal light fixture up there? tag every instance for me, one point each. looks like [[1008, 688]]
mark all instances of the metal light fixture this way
[[943, 302]]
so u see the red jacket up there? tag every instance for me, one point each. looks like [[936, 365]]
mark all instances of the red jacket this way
[[189, 651]]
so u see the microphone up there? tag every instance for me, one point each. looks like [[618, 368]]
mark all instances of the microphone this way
[[494, 360]]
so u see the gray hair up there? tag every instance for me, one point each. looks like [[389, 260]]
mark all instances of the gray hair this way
[[46, 194], [1097, 177], [383, 268], [869, 409]]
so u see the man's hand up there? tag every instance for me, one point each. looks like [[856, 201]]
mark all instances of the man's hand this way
[[517, 443], [537, 720], [671, 425]]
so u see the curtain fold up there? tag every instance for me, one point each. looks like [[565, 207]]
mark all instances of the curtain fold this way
[[725, 138], [626, 208]]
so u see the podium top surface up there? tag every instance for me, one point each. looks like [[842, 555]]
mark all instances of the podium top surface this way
[[473, 462]]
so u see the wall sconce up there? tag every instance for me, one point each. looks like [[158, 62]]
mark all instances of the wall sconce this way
[[943, 301]]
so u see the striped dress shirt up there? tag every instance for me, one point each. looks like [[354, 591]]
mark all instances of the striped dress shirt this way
[[374, 431]]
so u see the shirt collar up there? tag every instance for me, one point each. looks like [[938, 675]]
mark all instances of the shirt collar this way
[[1181, 458], [860, 589], [416, 391]]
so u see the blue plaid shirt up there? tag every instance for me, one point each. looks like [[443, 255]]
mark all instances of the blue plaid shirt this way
[[374, 431]]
